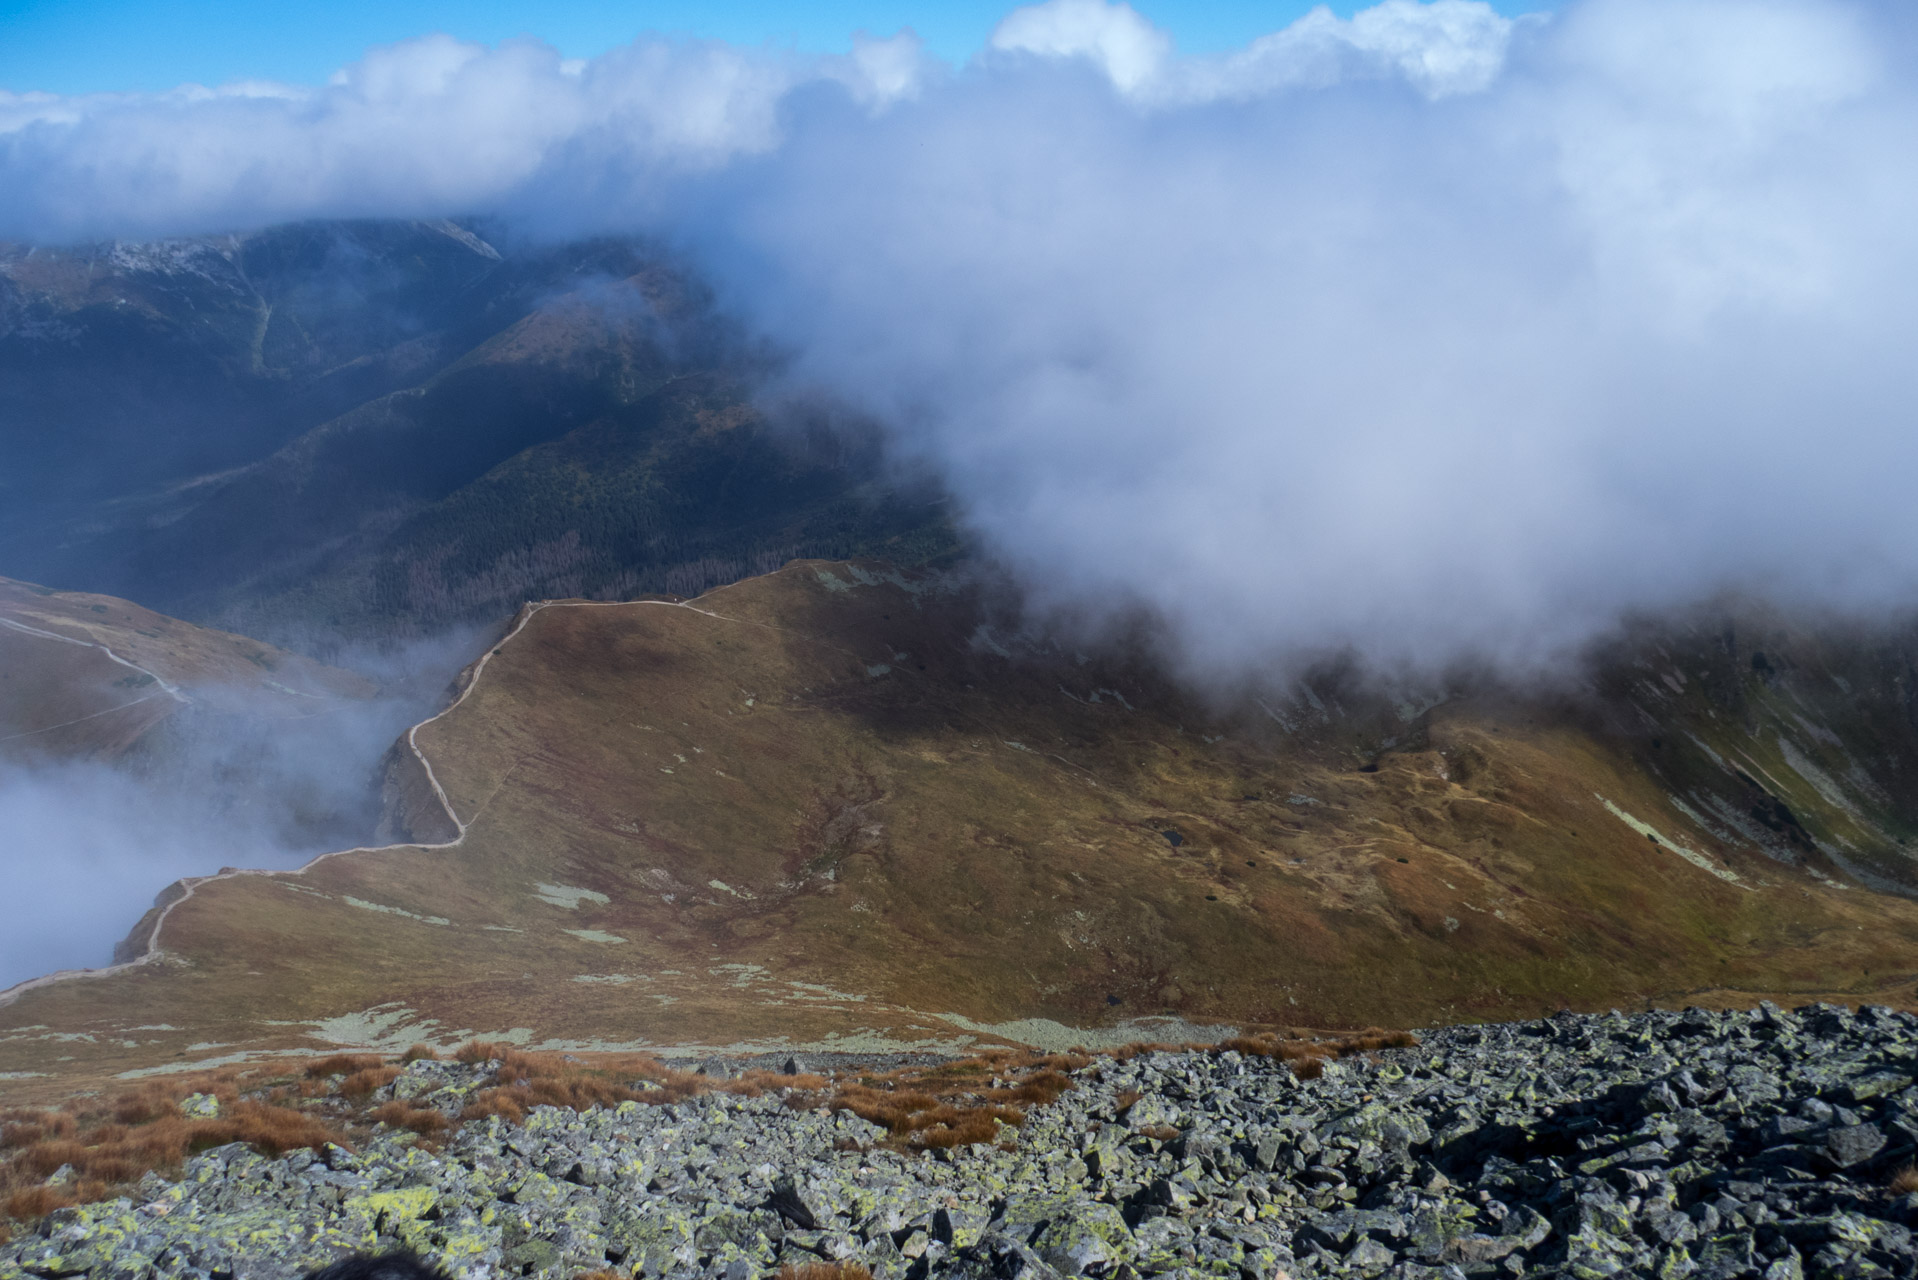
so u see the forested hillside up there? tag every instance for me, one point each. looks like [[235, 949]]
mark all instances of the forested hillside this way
[[371, 430]]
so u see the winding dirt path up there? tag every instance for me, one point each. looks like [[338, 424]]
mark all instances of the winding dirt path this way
[[166, 686], [189, 885]]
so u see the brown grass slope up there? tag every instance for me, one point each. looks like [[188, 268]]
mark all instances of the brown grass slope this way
[[92, 676], [832, 801]]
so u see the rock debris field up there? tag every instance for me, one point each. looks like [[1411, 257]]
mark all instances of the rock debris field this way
[[1764, 1144]]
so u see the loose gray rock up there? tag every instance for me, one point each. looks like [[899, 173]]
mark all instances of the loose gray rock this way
[[1694, 1144]]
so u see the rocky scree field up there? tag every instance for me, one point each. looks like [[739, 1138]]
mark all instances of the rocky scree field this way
[[1765, 1144]]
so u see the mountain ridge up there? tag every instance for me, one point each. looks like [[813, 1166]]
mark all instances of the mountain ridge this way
[[180, 666], [872, 853], [375, 430]]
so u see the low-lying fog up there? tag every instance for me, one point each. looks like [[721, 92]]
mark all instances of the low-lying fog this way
[[85, 846]]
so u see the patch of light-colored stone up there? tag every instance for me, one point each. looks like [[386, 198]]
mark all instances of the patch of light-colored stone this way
[[1692, 856], [364, 905], [1823, 783], [593, 935], [567, 896], [743, 975], [208, 1064], [1044, 1033], [385, 1026], [817, 990]]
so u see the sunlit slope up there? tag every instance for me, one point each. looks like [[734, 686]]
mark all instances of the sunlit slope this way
[[833, 800], [89, 676]]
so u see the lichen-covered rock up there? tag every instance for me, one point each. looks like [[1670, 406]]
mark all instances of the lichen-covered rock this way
[[1068, 1232], [444, 1086], [200, 1106], [1675, 1145]]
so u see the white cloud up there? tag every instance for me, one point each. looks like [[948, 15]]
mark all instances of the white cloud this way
[[1131, 51], [883, 70], [1440, 48], [1415, 372], [1451, 46], [1419, 330], [439, 125], [426, 126], [85, 846]]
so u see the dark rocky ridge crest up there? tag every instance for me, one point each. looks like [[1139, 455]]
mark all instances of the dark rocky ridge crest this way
[[1721, 1145]]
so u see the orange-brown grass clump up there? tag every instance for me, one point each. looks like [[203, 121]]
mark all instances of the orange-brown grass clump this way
[[361, 1084], [106, 1145], [341, 1064], [1905, 1181], [825, 1271], [477, 1051], [952, 1104], [37, 1202], [527, 1080], [1307, 1056]]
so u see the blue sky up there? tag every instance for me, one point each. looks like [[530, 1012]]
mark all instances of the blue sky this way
[[80, 46]]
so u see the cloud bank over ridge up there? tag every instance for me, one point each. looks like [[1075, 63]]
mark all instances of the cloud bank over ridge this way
[[1423, 331]]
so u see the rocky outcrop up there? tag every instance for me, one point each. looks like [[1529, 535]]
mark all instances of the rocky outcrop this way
[[1695, 1144], [411, 811], [139, 940]]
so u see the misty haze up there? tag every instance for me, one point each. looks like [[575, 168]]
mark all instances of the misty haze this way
[[892, 572]]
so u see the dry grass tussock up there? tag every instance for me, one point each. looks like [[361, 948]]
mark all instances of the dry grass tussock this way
[[952, 1104], [825, 1271], [95, 1147], [1307, 1056], [528, 1080], [1295, 1048], [1905, 1181], [91, 1147]]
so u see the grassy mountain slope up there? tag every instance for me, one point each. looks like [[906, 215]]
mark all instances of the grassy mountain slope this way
[[340, 487], [834, 801], [88, 676]]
